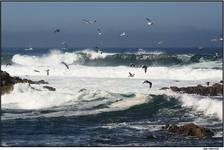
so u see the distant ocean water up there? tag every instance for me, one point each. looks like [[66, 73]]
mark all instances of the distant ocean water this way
[[97, 104]]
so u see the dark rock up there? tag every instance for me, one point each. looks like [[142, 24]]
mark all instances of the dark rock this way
[[81, 90], [189, 130], [174, 88], [214, 90], [6, 89], [41, 82], [49, 88], [7, 82]]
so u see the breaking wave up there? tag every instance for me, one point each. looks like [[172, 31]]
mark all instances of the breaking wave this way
[[31, 103], [93, 58]]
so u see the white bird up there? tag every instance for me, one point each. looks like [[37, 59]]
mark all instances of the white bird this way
[[123, 34], [99, 31], [200, 47], [216, 54], [65, 45], [149, 22], [160, 42], [213, 40], [87, 21], [221, 39]]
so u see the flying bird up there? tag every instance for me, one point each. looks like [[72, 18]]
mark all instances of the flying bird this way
[[207, 83], [123, 34], [149, 22], [87, 21], [213, 40], [99, 31], [47, 72], [66, 65], [145, 68], [65, 45], [148, 82], [57, 30], [200, 47], [36, 70], [8, 64], [160, 42], [131, 75], [132, 65]]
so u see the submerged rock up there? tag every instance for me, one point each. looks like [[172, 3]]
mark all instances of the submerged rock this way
[[189, 130], [214, 90], [49, 88], [7, 82]]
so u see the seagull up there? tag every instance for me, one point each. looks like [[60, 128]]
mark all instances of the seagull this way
[[207, 83], [66, 65], [8, 64], [213, 40], [150, 83], [65, 45], [36, 70], [160, 42], [132, 65], [149, 21], [216, 54], [123, 34], [99, 31], [57, 30], [47, 72], [145, 68], [131, 75], [87, 21], [200, 47]]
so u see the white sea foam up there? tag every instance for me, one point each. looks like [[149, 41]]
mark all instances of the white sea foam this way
[[168, 73], [84, 102], [55, 57], [98, 92], [205, 104], [24, 97], [102, 84], [208, 105]]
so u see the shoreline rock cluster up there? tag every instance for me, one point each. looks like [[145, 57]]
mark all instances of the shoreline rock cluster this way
[[213, 90], [7, 83], [189, 130]]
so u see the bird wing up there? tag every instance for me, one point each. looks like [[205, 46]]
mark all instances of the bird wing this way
[[65, 65], [86, 21], [148, 19], [98, 29]]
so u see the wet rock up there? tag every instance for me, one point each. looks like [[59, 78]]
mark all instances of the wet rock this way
[[7, 82], [6, 89], [81, 90], [19, 80], [41, 82], [189, 130], [214, 90], [49, 88]]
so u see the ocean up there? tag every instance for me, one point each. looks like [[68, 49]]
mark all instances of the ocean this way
[[96, 103]]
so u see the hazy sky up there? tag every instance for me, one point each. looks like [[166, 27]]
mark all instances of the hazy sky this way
[[182, 24]]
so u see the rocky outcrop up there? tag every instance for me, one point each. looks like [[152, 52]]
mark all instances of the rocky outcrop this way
[[214, 90], [49, 88], [7, 82], [189, 130]]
